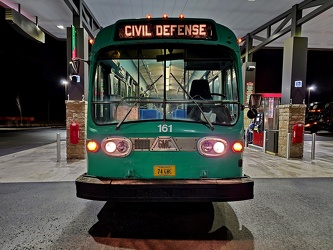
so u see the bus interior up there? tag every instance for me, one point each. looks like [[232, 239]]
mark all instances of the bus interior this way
[[193, 83]]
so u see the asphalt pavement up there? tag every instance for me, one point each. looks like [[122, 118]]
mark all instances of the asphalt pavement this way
[[291, 209], [18, 139]]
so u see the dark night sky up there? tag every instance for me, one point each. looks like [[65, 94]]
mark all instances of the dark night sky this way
[[319, 72], [33, 71]]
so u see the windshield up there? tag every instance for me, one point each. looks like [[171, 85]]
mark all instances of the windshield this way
[[194, 84]]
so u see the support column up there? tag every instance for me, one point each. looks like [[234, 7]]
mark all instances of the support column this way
[[77, 94], [249, 77], [78, 90], [76, 112], [294, 70], [289, 115], [293, 108]]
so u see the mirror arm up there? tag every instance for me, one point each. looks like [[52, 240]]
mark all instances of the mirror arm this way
[[75, 65], [80, 60]]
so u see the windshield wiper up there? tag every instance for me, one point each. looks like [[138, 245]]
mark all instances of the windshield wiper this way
[[201, 111], [129, 111]]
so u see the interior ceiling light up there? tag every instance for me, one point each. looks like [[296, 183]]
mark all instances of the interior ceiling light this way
[[60, 27]]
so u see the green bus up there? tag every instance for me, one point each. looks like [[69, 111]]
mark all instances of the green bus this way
[[165, 114]]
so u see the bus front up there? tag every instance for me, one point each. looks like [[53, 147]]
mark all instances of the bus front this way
[[165, 120]]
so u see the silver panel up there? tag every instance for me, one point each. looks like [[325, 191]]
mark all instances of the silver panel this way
[[182, 143]]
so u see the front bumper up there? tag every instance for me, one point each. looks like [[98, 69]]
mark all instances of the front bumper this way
[[164, 190]]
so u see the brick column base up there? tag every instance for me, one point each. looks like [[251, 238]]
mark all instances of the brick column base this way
[[289, 115], [76, 112]]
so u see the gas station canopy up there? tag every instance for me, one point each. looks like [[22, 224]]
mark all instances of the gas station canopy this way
[[242, 16]]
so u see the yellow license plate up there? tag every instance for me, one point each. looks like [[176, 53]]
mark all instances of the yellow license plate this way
[[164, 170]]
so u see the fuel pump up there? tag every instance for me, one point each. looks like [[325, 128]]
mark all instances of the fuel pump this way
[[258, 133]]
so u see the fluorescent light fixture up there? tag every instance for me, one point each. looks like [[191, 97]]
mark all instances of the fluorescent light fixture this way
[[251, 68], [61, 27], [24, 26]]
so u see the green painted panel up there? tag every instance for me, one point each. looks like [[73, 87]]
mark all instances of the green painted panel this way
[[140, 164]]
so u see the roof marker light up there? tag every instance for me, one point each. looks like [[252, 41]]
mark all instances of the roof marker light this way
[[148, 16], [181, 16], [165, 16]]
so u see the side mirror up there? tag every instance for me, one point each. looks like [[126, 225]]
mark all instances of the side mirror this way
[[255, 101], [252, 113]]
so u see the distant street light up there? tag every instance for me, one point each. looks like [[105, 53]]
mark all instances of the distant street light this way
[[65, 83], [309, 89]]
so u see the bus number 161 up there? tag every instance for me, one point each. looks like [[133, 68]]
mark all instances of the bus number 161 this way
[[164, 128]]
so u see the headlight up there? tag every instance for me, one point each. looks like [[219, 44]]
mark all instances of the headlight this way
[[116, 146], [110, 146], [207, 146], [212, 146], [219, 147]]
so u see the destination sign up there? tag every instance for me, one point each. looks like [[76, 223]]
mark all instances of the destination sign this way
[[165, 30]]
